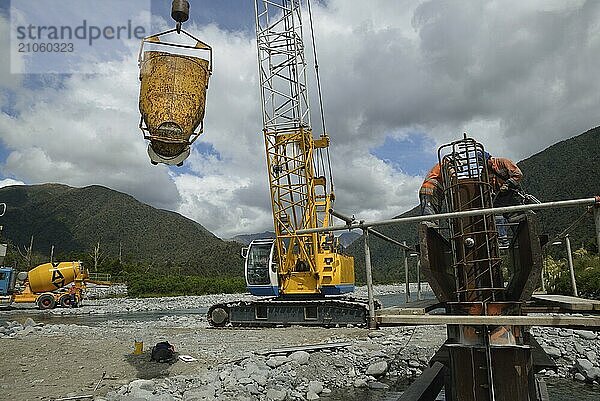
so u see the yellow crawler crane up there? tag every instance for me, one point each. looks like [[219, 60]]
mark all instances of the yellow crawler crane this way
[[303, 276]]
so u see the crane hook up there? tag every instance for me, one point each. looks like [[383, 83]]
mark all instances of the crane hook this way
[[180, 12]]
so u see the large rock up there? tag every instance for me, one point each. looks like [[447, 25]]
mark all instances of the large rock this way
[[378, 386], [311, 396], [377, 369], [586, 368], [29, 322], [276, 395], [585, 334], [360, 382], [301, 357], [552, 351], [142, 384], [592, 356], [315, 386], [260, 379], [276, 361]]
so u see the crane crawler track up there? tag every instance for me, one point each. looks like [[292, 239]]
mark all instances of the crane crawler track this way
[[283, 312]]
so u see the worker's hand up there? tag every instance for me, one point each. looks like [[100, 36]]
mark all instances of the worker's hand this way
[[504, 188]]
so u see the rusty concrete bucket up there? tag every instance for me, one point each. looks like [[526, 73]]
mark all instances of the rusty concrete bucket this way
[[172, 98]]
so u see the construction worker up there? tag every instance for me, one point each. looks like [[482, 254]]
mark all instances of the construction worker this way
[[431, 192], [505, 177], [73, 297]]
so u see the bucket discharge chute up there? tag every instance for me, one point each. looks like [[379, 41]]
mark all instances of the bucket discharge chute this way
[[172, 96]]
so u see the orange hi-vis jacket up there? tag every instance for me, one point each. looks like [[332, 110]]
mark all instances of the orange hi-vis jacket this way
[[432, 185], [504, 170]]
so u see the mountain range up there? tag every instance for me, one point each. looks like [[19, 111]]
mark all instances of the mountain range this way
[[76, 219]]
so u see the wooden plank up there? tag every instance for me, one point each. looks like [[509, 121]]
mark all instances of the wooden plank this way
[[568, 302], [412, 308], [556, 320], [310, 347]]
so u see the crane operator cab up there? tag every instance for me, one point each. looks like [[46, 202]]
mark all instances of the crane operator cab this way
[[261, 267]]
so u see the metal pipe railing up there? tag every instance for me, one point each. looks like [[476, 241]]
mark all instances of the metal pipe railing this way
[[351, 220], [467, 213]]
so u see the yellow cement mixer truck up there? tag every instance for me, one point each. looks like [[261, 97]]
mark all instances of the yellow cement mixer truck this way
[[47, 285]]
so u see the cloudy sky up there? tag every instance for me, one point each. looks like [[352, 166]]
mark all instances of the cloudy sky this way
[[399, 78]]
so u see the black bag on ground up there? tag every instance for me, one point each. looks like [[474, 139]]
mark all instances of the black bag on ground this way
[[163, 352]]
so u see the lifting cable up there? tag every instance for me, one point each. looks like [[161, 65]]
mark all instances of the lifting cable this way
[[318, 79], [566, 230]]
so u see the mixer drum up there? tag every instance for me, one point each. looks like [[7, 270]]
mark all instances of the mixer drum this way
[[52, 276], [172, 99]]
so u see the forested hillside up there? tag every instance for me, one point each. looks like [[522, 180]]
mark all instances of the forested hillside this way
[[74, 220]]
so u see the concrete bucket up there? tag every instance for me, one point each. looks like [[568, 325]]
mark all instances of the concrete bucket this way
[[172, 100]]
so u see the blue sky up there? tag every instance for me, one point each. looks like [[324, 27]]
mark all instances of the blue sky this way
[[413, 154]]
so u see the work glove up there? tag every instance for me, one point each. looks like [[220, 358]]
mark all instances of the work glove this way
[[504, 188]]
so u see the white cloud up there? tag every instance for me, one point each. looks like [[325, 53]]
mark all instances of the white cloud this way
[[7, 182], [518, 76]]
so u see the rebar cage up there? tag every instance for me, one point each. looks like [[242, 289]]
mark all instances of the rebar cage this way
[[474, 240]]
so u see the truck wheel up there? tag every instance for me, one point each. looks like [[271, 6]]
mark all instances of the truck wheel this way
[[64, 301], [46, 301]]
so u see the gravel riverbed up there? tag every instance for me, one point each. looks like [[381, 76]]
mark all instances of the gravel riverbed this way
[[57, 360]]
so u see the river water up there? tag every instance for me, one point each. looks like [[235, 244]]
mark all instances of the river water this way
[[559, 389]]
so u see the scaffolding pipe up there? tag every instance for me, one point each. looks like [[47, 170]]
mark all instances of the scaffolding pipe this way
[[467, 213], [350, 220], [419, 279], [571, 269], [406, 277], [372, 321]]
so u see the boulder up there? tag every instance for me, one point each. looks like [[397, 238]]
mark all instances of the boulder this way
[[311, 396], [315, 386], [252, 389], [276, 395], [587, 369], [378, 386], [261, 380], [414, 363], [276, 361], [552, 351], [585, 334], [301, 357], [377, 369], [142, 384], [592, 356], [359, 382]]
